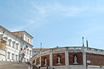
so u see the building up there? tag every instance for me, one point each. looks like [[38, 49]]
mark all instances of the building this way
[[15, 46], [37, 50], [70, 58]]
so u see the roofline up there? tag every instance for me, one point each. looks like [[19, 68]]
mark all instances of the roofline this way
[[69, 47], [13, 34], [76, 49], [23, 31], [40, 48]]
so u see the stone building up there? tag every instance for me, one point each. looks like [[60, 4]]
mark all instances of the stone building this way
[[37, 50], [70, 58], [15, 46]]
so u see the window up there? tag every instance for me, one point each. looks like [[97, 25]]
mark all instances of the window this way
[[12, 56], [8, 55], [21, 37], [28, 40], [16, 58], [17, 46], [9, 42], [30, 53], [13, 44], [27, 51]]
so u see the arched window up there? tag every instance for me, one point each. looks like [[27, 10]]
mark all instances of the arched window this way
[[58, 59]]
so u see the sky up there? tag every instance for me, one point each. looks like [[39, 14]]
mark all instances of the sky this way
[[56, 22]]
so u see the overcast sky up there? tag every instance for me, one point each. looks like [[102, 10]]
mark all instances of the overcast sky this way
[[56, 22]]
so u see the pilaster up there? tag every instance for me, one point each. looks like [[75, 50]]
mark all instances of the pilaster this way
[[84, 59], [66, 58], [51, 58]]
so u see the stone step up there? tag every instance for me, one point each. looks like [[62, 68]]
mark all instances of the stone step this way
[[13, 65]]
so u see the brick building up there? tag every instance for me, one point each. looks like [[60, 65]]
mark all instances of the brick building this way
[[70, 58]]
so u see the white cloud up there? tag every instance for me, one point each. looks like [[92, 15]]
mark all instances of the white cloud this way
[[40, 13]]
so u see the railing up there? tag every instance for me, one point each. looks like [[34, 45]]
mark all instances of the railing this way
[[94, 49], [84, 48], [74, 48]]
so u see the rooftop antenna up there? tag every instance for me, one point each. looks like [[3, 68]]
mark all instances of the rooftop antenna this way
[[82, 41]]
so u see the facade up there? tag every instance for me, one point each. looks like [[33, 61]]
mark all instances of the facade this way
[[70, 58], [15, 46]]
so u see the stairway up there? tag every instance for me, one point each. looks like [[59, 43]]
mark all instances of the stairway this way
[[13, 65]]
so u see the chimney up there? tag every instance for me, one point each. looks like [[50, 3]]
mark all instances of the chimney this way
[[40, 46], [82, 41], [87, 43]]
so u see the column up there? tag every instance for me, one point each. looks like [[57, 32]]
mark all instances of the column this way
[[40, 56]]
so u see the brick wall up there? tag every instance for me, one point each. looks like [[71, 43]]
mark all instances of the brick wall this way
[[43, 60], [62, 59], [38, 61], [79, 58], [95, 59]]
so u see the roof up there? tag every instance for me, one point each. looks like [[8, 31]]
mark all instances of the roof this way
[[40, 48], [13, 34], [22, 32]]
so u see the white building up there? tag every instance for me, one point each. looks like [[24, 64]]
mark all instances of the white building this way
[[13, 45]]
